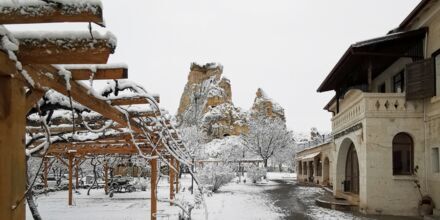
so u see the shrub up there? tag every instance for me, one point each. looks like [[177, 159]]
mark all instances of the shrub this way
[[256, 173], [215, 176]]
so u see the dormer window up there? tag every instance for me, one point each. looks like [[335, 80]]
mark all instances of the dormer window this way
[[399, 82]]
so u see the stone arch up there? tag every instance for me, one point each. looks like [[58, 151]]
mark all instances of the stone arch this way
[[346, 146]]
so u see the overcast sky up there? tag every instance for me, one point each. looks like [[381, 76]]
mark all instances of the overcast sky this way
[[286, 47]]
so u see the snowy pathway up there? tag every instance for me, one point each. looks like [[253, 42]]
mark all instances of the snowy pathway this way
[[298, 203]]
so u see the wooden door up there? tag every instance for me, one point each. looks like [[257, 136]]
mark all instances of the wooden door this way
[[352, 171]]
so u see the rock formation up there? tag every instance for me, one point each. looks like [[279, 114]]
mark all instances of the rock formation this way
[[266, 107], [206, 102]]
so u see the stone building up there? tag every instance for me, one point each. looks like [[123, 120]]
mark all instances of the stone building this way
[[313, 164], [386, 117]]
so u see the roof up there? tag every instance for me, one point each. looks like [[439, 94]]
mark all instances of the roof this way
[[351, 69], [309, 156], [413, 14]]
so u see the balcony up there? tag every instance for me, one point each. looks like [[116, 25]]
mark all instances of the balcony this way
[[358, 105]]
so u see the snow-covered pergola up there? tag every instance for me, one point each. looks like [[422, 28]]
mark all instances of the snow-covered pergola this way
[[43, 102]]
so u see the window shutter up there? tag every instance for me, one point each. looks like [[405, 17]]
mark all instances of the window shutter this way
[[420, 79]]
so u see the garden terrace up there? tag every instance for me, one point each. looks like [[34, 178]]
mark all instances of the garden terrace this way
[[60, 117]]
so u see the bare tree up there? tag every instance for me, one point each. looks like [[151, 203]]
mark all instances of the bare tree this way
[[193, 137], [266, 136]]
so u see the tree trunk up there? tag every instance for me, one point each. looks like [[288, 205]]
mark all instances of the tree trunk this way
[[265, 163]]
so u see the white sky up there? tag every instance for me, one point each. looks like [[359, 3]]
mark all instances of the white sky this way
[[286, 47]]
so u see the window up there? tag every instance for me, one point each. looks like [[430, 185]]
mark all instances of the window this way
[[437, 71], [403, 154], [382, 88], [435, 160], [399, 82]]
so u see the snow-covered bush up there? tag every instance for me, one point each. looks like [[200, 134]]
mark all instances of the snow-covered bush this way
[[215, 176], [140, 183], [256, 173]]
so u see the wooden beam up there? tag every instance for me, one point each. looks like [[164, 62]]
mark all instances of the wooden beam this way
[[79, 94], [33, 98], [12, 127], [51, 12], [129, 101], [64, 50], [153, 180], [7, 67], [100, 150], [110, 73]]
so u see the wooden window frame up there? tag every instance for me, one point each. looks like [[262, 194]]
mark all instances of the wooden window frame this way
[[411, 151]]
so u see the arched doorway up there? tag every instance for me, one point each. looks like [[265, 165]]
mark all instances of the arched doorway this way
[[326, 172], [351, 183]]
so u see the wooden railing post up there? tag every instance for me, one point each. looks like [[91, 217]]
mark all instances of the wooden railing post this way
[[77, 162], [70, 155], [153, 164]]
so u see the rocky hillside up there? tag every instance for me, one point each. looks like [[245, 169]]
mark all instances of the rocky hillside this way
[[207, 102]]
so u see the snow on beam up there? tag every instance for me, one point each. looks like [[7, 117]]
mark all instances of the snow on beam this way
[[87, 74], [51, 11], [64, 47], [79, 93], [98, 149], [132, 100]]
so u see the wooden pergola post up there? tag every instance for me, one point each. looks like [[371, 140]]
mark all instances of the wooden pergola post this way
[[172, 178], [45, 171], [177, 176], [70, 155], [77, 162], [106, 177], [12, 128], [153, 164]]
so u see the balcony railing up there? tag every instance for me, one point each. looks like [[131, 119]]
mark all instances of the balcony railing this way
[[358, 105]]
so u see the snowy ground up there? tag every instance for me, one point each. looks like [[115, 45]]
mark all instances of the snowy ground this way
[[233, 201], [278, 198]]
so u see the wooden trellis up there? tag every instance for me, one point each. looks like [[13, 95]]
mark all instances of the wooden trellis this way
[[28, 72]]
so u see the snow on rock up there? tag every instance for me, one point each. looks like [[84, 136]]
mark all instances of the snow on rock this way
[[264, 105], [205, 90]]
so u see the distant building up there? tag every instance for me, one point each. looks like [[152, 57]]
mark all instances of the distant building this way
[[386, 119]]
